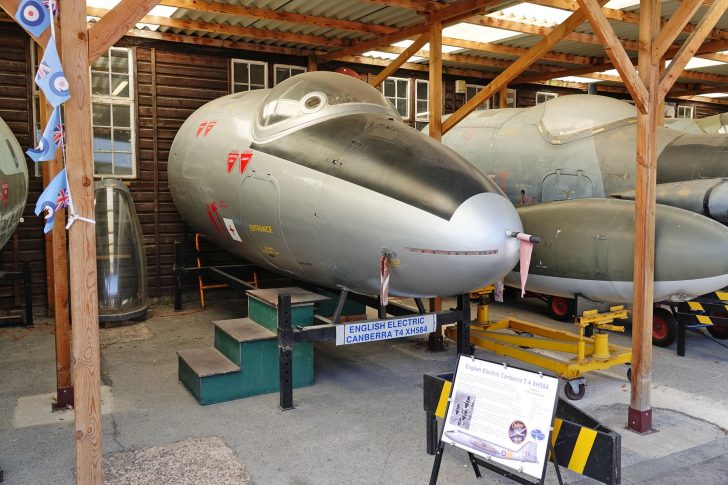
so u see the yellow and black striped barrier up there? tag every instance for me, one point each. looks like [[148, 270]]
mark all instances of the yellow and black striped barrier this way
[[581, 443]]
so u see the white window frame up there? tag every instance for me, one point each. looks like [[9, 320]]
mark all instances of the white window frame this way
[[233, 82], [510, 92], [545, 94], [419, 116], [407, 96], [290, 67], [485, 104], [117, 100], [689, 109]]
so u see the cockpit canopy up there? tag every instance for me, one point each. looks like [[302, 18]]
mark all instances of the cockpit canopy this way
[[312, 97], [567, 115]]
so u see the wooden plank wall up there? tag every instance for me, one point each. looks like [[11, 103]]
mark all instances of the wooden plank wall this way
[[16, 109], [170, 87]]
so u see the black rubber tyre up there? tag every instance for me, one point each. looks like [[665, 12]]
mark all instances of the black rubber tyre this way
[[561, 308], [571, 395], [664, 327], [719, 332], [629, 374]]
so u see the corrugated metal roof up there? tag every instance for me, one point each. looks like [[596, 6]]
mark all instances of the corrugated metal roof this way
[[389, 14]]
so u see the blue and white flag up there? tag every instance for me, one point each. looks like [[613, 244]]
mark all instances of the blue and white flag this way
[[54, 198], [33, 17], [50, 141], [50, 77]]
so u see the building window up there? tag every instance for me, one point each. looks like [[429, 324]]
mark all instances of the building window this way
[[511, 98], [542, 97], [283, 72], [422, 103], [473, 89], [249, 75], [684, 111], [112, 107], [397, 91]]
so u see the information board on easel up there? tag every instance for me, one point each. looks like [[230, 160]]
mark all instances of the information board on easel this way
[[501, 414]]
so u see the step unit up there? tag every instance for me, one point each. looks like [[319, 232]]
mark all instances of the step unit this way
[[244, 361]]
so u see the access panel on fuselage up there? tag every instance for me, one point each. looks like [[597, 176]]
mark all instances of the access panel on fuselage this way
[[564, 185], [261, 215]]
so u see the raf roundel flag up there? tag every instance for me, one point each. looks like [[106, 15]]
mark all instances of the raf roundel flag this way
[[33, 17], [50, 141], [50, 77], [53, 198]]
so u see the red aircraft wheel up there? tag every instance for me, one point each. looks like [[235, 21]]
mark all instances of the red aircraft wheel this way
[[664, 327], [561, 308]]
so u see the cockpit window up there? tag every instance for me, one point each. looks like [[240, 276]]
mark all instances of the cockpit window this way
[[315, 95]]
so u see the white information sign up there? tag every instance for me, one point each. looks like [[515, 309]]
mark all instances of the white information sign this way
[[502, 414], [370, 331]]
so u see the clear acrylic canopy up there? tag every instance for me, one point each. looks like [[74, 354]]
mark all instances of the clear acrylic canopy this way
[[120, 257], [309, 97]]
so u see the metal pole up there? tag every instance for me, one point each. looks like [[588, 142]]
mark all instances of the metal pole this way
[[285, 352]]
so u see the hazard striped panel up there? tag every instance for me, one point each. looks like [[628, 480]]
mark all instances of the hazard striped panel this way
[[581, 443]]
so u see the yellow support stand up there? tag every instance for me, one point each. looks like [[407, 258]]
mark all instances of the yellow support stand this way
[[520, 339]]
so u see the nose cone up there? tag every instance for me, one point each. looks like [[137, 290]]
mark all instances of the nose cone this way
[[467, 252], [690, 255]]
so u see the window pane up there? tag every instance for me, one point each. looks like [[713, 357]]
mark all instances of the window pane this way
[[257, 74], [240, 87], [122, 140], [240, 72], [122, 116], [119, 61], [421, 90], [101, 64], [402, 88], [101, 114], [102, 163], [122, 164], [402, 107], [282, 74], [120, 85], [99, 84], [389, 89], [102, 139]]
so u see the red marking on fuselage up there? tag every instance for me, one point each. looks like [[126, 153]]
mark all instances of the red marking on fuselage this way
[[231, 159], [245, 158], [205, 127]]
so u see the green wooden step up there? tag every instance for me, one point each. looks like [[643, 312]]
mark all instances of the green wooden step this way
[[206, 372], [263, 306]]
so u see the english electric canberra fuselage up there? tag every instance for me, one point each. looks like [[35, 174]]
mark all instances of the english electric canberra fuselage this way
[[318, 178]]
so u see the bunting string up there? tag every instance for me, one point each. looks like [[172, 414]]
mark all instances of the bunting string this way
[[36, 17]]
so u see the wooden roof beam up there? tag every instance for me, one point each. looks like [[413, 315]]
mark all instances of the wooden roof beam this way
[[225, 43], [418, 5], [453, 13], [401, 59], [674, 26], [525, 28], [691, 45], [515, 51], [627, 17], [411, 66], [11, 8], [517, 67], [279, 15], [114, 24], [617, 54], [231, 29]]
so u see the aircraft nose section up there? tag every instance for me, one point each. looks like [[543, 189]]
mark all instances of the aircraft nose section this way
[[469, 251]]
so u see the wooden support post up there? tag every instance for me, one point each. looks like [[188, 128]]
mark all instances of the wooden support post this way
[[436, 342], [57, 269], [503, 95], [82, 246], [113, 25], [435, 85], [312, 64], [640, 408]]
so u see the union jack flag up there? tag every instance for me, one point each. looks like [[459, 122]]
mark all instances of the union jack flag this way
[[52, 6], [62, 199], [43, 70], [58, 135]]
